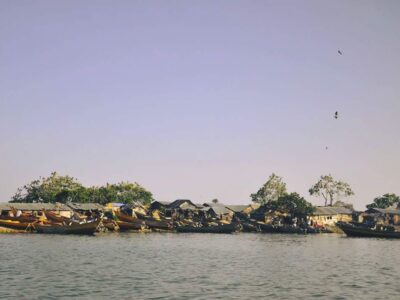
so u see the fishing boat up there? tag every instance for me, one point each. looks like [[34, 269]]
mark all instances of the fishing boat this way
[[72, 228], [224, 228], [22, 218], [56, 217], [16, 225], [124, 217], [158, 224], [249, 227], [125, 226], [9, 230], [360, 230]]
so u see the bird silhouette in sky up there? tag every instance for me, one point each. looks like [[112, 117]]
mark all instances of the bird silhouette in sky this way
[[340, 52], [326, 148], [336, 115]]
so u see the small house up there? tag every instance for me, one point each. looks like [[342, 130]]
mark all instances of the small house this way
[[184, 204], [159, 205], [387, 216], [35, 208], [330, 215], [218, 210], [243, 211]]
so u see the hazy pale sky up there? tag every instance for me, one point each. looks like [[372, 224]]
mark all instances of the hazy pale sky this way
[[201, 99]]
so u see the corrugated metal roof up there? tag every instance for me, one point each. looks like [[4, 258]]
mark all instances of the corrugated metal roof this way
[[218, 208], [85, 206], [34, 206], [184, 203], [162, 202], [332, 210], [389, 211], [237, 208]]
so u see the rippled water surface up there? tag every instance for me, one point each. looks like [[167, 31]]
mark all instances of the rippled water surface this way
[[198, 266]]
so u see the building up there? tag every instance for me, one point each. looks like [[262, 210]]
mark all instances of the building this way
[[386, 216], [159, 205], [218, 210], [243, 210], [184, 204], [330, 215], [36, 208]]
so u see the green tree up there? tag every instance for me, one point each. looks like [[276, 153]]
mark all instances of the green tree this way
[[385, 201], [294, 204], [339, 203], [123, 192], [215, 201], [54, 188], [270, 191], [127, 192], [330, 189]]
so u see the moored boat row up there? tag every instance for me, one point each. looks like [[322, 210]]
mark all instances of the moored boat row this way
[[182, 216]]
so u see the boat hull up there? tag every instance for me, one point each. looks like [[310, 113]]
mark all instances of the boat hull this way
[[16, 225], [86, 228], [22, 219], [124, 217], [156, 224], [249, 227], [56, 218], [358, 231], [125, 226]]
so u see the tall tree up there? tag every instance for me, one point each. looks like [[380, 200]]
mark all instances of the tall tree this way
[[270, 191], [330, 189], [385, 201]]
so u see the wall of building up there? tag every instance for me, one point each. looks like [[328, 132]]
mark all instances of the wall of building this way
[[330, 220]]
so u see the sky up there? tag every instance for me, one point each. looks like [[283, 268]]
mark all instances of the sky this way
[[201, 99]]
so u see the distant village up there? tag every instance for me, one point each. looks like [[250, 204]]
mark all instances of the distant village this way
[[272, 210]]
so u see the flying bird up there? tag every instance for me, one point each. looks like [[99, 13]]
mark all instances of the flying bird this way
[[340, 52], [326, 148], [336, 115]]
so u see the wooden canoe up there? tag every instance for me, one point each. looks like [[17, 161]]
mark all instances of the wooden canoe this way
[[22, 218], [249, 227], [363, 231], [125, 226], [73, 228], [15, 225], [9, 230], [52, 216], [124, 217], [158, 224]]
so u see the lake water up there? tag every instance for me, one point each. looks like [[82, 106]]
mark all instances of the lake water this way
[[198, 266]]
